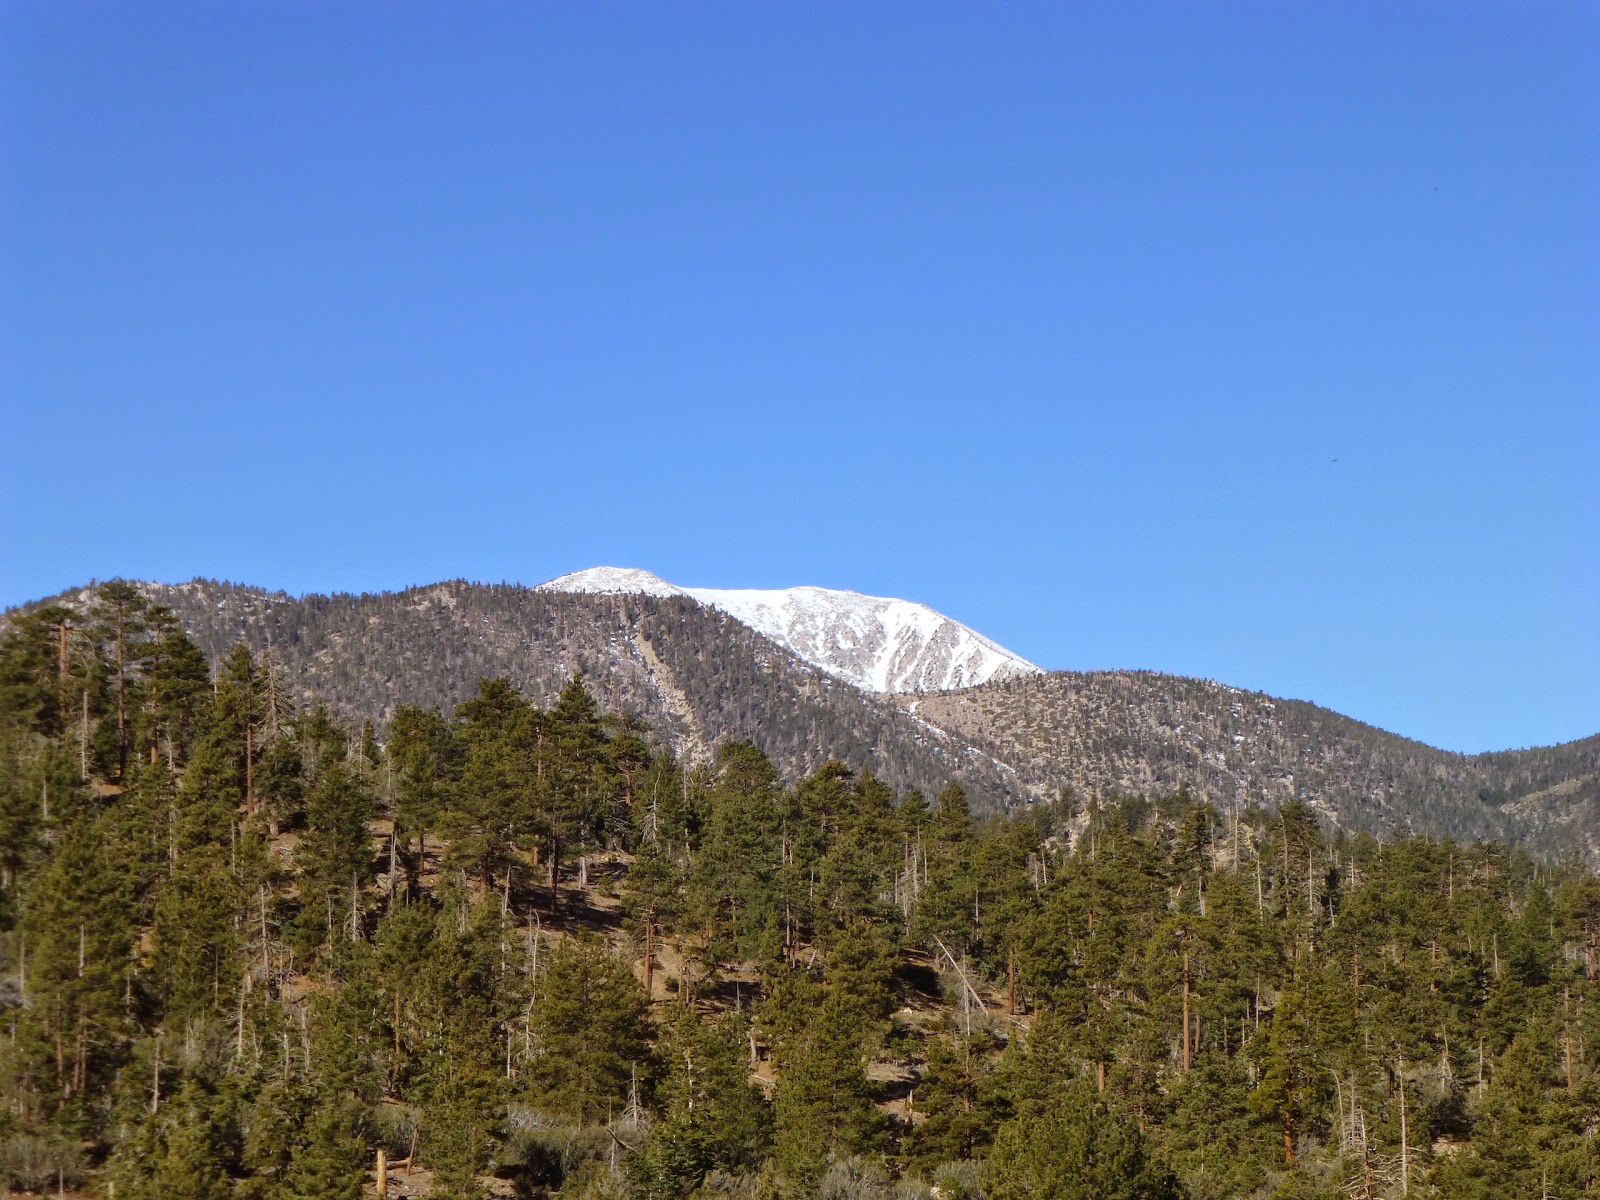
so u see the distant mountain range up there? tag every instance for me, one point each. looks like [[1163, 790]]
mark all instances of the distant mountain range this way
[[809, 674]]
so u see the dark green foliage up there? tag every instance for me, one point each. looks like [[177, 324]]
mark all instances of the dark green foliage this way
[[77, 932], [245, 943], [174, 688], [956, 1095], [302, 1143], [196, 941], [1075, 1149], [588, 1031], [419, 765], [823, 1107], [335, 855], [177, 1153], [712, 1116]]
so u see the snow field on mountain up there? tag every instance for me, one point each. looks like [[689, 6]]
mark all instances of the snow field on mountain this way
[[878, 643]]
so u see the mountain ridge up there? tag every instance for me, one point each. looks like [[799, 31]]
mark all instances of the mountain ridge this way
[[700, 677]]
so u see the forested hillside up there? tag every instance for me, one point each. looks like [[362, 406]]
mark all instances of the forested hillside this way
[[700, 678], [696, 675], [249, 950]]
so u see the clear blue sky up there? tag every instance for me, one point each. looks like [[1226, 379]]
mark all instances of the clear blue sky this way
[[1254, 341]]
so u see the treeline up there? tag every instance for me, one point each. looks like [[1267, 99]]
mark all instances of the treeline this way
[[248, 950]]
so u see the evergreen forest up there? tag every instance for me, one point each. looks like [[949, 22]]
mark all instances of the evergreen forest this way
[[252, 950]]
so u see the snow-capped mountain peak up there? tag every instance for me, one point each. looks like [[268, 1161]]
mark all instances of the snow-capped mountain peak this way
[[610, 581], [876, 642]]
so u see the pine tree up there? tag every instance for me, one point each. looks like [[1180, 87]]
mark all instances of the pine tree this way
[[196, 936], [187, 1163], [420, 755], [118, 609], [334, 856], [175, 687], [79, 933], [575, 775], [823, 1104], [952, 1093], [588, 1030], [331, 1165], [712, 1117], [1076, 1150]]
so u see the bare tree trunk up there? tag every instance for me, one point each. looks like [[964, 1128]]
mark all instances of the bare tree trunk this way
[[122, 707], [1311, 887], [555, 872], [1368, 1184], [1566, 1024], [1405, 1147], [650, 959], [80, 1065], [249, 765], [1185, 1010], [61, 668]]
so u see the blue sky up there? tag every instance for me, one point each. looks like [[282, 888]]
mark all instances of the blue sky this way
[[1253, 341]]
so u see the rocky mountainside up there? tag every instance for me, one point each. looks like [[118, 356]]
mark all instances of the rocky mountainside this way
[[699, 676], [1129, 732], [875, 642]]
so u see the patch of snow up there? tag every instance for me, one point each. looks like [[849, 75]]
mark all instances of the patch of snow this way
[[611, 581], [875, 642]]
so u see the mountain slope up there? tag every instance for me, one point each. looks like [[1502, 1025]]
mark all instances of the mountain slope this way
[[875, 642], [700, 677], [695, 674], [1124, 732]]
